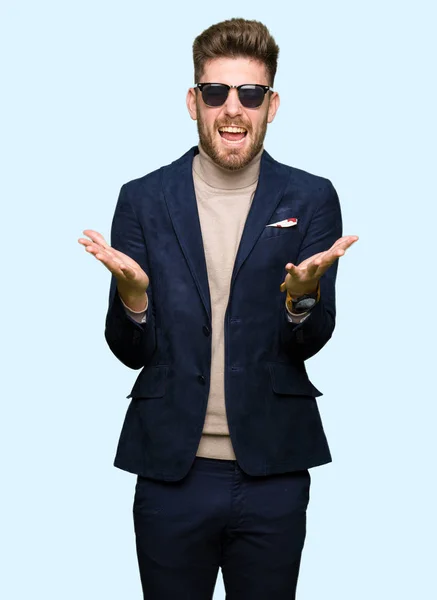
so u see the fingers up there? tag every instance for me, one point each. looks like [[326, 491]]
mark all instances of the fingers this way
[[337, 250], [97, 238], [314, 266], [97, 244], [99, 252], [105, 254], [345, 242], [318, 267]]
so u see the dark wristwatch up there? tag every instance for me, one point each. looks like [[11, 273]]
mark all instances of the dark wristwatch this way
[[304, 303]]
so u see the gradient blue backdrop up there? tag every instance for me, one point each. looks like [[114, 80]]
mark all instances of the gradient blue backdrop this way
[[87, 106]]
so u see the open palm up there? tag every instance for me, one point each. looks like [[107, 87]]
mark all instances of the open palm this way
[[125, 269], [304, 278]]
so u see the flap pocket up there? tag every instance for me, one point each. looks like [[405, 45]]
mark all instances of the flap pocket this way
[[291, 380], [150, 382]]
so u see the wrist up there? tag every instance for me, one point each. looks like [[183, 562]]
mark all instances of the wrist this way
[[135, 301]]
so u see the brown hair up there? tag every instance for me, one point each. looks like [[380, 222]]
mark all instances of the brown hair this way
[[236, 38]]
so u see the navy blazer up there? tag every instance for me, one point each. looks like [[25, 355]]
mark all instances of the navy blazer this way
[[273, 418]]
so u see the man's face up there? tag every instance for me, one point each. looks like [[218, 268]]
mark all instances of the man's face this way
[[232, 150]]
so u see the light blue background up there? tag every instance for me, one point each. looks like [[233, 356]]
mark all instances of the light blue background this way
[[85, 109]]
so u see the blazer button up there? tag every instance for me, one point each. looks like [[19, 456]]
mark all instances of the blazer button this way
[[206, 331], [201, 379]]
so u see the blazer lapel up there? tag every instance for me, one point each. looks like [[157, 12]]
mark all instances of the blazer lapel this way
[[273, 178], [179, 194]]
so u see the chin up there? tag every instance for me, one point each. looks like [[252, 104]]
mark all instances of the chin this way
[[232, 158], [236, 160]]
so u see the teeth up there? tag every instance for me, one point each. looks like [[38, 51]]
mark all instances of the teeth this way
[[233, 129]]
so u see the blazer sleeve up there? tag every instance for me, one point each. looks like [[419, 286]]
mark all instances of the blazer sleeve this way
[[305, 339], [132, 343]]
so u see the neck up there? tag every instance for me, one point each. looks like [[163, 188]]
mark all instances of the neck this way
[[219, 177]]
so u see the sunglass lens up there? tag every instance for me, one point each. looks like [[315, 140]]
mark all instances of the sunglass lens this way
[[214, 95], [251, 96]]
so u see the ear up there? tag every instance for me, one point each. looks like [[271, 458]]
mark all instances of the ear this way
[[273, 106], [191, 103]]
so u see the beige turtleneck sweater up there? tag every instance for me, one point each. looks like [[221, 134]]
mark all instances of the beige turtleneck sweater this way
[[223, 201]]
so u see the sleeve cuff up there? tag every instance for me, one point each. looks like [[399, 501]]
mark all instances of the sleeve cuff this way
[[138, 316], [294, 318]]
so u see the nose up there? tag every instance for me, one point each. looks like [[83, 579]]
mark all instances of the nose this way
[[232, 105]]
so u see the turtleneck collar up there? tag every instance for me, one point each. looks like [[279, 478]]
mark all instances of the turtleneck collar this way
[[221, 178]]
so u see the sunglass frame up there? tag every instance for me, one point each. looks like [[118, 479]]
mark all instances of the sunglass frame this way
[[265, 88]]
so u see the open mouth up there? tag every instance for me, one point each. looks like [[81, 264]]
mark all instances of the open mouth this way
[[233, 134]]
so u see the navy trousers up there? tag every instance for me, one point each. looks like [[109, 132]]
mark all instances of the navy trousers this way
[[253, 528]]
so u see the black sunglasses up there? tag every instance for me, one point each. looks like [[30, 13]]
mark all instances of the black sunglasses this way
[[250, 95]]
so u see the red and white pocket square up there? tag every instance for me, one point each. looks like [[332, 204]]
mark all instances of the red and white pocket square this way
[[286, 223]]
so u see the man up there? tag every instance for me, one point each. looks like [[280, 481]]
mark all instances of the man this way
[[223, 424]]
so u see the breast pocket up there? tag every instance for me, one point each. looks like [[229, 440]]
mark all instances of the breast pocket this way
[[271, 233]]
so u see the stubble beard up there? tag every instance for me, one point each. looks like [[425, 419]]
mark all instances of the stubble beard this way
[[230, 158]]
